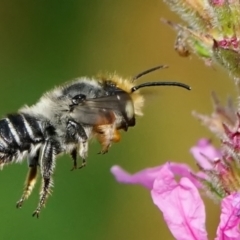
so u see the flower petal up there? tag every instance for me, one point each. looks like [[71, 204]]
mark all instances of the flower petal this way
[[204, 152], [147, 176], [183, 170], [181, 205], [228, 228]]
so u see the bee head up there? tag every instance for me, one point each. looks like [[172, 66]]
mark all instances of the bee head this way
[[126, 99]]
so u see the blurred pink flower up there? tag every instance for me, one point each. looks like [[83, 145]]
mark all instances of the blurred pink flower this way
[[181, 205], [180, 201], [147, 176], [204, 153], [228, 227]]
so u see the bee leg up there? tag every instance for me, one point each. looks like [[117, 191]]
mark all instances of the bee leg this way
[[77, 133], [31, 178], [83, 145], [106, 135], [2, 164], [84, 163], [82, 154], [103, 133], [83, 150], [74, 157], [47, 164]]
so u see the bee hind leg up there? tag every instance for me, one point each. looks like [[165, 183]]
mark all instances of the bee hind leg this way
[[31, 179], [47, 164]]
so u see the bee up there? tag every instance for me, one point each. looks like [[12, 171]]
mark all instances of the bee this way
[[65, 119]]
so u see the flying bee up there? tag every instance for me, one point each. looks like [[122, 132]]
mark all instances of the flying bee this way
[[65, 119]]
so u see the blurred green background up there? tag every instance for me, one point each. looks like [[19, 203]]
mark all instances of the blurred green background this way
[[45, 43]]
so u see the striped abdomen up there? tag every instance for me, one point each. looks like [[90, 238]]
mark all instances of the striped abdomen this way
[[18, 132]]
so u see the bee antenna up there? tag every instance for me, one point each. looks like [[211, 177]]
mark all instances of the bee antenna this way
[[152, 84], [148, 71]]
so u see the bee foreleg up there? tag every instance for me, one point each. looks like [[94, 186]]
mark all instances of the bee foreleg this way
[[31, 178], [47, 164], [106, 135]]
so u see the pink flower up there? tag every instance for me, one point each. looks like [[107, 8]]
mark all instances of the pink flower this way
[[204, 153], [230, 218], [180, 202], [147, 176], [181, 205], [219, 169]]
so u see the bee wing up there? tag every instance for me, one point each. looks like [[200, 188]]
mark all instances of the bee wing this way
[[100, 111]]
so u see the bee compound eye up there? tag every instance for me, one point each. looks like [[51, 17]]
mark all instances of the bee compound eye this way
[[129, 109]]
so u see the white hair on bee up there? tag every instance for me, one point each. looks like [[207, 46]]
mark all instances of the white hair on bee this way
[[65, 119]]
